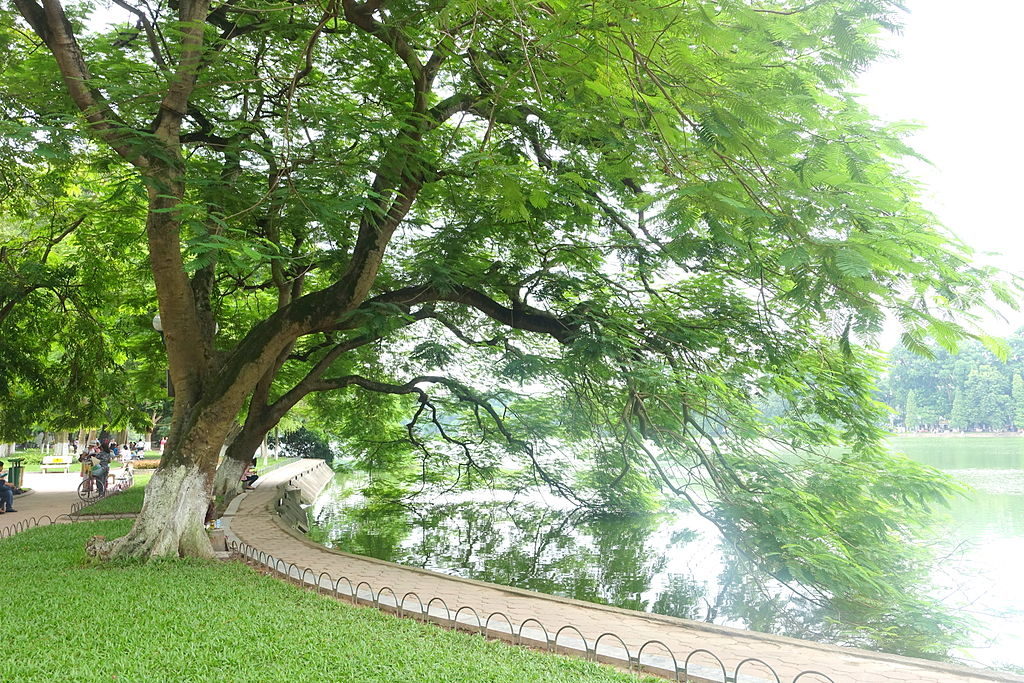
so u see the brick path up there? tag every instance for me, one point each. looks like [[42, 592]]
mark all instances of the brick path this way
[[53, 493], [252, 520]]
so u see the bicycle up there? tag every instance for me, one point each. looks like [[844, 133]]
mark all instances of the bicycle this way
[[89, 489]]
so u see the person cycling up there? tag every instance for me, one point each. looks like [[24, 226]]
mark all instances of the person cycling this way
[[100, 470]]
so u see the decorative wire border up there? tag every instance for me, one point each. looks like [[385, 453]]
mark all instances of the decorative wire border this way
[[79, 505], [498, 626], [363, 594], [32, 522]]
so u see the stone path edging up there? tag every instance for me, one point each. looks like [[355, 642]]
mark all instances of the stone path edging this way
[[253, 528]]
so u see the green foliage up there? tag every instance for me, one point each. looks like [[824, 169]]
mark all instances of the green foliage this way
[[959, 417], [875, 503], [1017, 398], [32, 457], [528, 237], [303, 443], [69, 274], [911, 417], [618, 487]]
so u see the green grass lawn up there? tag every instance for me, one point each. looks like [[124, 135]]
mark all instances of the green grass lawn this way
[[126, 502], [31, 458], [178, 620], [130, 501]]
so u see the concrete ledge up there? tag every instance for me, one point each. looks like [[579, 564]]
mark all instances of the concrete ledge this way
[[293, 496]]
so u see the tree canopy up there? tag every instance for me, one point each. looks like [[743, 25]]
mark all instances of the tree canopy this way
[[595, 238]]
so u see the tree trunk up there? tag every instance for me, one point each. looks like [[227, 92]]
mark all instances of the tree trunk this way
[[173, 515], [228, 482], [241, 450], [172, 519]]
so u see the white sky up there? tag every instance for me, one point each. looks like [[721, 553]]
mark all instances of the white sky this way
[[959, 72]]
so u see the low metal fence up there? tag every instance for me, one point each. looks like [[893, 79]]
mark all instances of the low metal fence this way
[[651, 657], [32, 522]]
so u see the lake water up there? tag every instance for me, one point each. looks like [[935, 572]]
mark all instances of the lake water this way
[[985, 534], [677, 564]]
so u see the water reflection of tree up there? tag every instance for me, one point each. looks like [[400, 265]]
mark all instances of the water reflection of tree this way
[[749, 598], [607, 560], [371, 530], [681, 598]]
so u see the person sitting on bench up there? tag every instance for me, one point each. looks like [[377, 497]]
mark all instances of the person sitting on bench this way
[[6, 492], [249, 476]]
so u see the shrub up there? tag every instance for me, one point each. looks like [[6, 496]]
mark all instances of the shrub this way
[[30, 456], [146, 464], [303, 443]]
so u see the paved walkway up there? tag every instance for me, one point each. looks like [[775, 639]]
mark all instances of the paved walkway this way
[[53, 494], [252, 520]]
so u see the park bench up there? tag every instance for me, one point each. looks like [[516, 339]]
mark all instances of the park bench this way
[[56, 462]]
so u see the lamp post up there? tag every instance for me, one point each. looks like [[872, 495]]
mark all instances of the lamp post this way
[[158, 326]]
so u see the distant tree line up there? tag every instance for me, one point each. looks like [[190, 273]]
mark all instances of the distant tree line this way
[[971, 390]]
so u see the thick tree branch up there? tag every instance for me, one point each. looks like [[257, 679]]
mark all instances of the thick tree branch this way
[[51, 24], [527, 318], [151, 38], [462, 336], [449, 107], [192, 15], [309, 383], [361, 15]]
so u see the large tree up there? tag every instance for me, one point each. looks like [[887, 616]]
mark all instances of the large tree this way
[[607, 230]]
